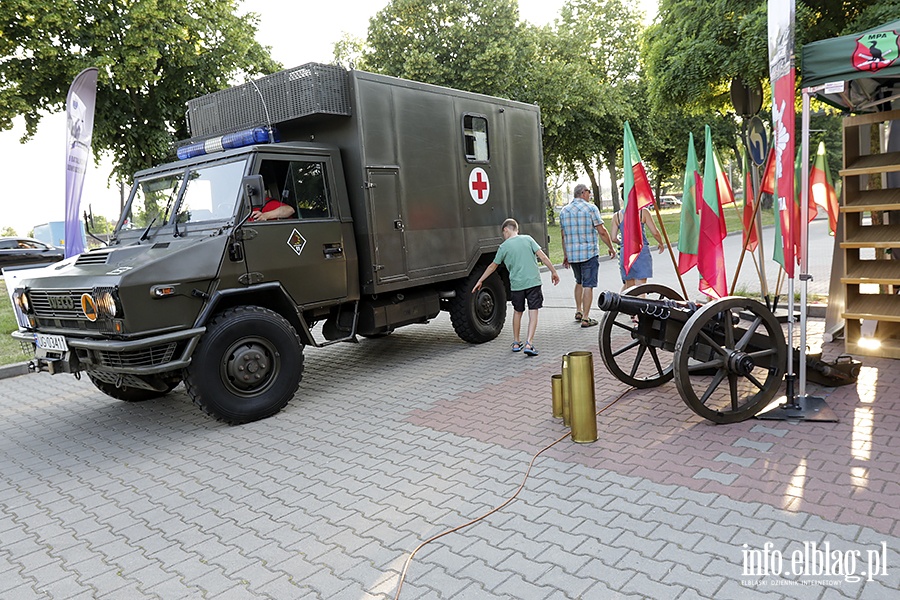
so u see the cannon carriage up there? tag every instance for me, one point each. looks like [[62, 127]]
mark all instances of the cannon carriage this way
[[727, 357]]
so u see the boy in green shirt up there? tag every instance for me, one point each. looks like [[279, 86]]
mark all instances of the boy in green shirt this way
[[517, 253]]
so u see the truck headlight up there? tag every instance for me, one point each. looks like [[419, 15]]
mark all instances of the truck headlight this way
[[106, 304], [20, 297], [101, 303]]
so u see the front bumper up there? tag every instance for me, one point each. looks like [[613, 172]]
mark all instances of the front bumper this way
[[147, 356]]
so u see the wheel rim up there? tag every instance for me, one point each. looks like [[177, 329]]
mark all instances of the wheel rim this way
[[250, 366], [729, 360], [626, 357], [485, 306]]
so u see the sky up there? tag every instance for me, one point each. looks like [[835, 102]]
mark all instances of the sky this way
[[298, 33]]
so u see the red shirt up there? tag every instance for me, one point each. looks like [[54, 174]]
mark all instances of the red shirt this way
[[270, 205]]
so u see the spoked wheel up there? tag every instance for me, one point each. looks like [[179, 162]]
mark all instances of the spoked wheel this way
[[730, 360], [632, 351]]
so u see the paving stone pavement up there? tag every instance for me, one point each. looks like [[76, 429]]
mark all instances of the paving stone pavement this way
[[394, 440]]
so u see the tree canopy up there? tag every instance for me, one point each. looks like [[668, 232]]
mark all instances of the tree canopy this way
[[471, 45], [696, 47], [152, 55]]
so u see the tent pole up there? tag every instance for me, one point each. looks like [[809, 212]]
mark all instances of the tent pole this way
[[803, 407]]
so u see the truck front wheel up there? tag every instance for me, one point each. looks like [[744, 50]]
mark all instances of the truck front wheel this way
[[247, 366], [478, 317]]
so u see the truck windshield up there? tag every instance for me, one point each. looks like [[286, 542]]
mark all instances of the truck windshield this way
[[211, 192], [151, 197]]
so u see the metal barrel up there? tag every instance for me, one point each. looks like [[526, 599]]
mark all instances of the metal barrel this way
[[566, 391], [583, 409], [557, 395], [660, 309]]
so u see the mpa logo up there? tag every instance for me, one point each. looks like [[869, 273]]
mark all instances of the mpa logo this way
[[875, 51]]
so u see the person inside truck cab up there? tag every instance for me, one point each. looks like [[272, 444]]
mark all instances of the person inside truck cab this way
[[273, 209]]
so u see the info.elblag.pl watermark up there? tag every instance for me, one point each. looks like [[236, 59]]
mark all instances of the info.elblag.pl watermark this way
[[812, 564]]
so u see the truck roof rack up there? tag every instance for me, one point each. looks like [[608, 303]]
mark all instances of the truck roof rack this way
[[310, 89]]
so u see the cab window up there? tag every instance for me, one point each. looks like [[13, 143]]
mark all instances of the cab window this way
[[301, 184]]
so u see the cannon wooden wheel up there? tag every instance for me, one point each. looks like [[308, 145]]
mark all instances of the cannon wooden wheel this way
[[629, 350], [730, 359]]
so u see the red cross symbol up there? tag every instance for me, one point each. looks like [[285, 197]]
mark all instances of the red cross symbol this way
[[479, 185]]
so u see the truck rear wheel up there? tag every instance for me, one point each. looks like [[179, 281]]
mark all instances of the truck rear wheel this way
[[129, 394], [479, 317], [247, 366]]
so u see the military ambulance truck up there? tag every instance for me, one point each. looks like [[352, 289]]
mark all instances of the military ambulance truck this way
[[398, 191]]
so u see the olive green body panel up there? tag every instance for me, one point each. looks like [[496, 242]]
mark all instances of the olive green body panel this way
[[186, 264], [409, 137]]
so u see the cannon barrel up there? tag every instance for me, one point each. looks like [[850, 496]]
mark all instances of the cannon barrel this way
[[660, 309]]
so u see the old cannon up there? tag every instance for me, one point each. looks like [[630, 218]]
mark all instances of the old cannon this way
[[729, 355]]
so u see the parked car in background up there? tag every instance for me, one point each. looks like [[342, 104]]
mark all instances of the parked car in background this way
[[16, 251], [668, 201]]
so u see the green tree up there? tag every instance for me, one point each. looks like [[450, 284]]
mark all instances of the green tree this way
[[8, 232], [470, 45], [153, 56], [696, 47], [600, 39]]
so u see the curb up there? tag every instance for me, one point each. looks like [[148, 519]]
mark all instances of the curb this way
[[13, 370]]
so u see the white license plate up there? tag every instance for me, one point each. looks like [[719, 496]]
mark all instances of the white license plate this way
[[51, 342]]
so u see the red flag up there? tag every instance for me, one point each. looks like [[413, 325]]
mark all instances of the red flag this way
[[783, 76], [821, 189], [767, 184], [751, 237], [798, 214], [711, 255], [638, 196]]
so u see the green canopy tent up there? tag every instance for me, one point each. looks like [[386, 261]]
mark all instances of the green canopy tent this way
[[856, 73]]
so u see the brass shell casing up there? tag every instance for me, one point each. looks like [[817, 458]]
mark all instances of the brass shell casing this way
[[582, 401], [556, 393]]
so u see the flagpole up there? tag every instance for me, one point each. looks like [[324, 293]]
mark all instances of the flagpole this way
[[662, 228], [747, 241], [804, 239], [801, 406]]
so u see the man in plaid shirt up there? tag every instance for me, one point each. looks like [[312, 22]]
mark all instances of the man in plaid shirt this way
[[580, 224]]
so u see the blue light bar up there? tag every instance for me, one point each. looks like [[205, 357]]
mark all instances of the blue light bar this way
[[247, 137]]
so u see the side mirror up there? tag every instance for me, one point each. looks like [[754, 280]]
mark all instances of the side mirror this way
[[253, 190]]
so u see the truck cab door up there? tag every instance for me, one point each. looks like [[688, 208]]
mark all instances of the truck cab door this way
[[305, 250]]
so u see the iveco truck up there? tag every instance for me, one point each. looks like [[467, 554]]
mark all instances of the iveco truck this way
[[398, 191]]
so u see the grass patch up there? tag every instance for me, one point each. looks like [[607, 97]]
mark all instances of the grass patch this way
[[671, 221], [10, 349], [810, 298]]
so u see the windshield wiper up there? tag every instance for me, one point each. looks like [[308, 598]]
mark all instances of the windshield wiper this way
[[149, 225]]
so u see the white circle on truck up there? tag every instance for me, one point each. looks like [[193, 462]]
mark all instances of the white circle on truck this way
[[479, 185]]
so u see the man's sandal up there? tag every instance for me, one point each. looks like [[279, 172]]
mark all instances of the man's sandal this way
[[588, 322], [529, 349], [517, 346], [578, 316]]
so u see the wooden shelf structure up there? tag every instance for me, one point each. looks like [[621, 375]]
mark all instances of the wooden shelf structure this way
[[878, 299]]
